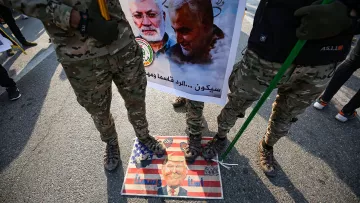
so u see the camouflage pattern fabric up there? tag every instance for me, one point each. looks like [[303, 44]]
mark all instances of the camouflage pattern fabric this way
[[194, 113], [250, 78], [92, 79], [70, 45]]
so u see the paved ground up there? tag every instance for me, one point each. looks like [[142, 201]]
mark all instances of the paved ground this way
[[50, 150]]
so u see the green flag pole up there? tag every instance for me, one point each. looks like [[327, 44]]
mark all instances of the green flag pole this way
[[289, 60]]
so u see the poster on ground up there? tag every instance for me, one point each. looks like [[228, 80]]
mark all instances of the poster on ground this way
[[5, 44], [10, 41], [189, 46], [170, 175]]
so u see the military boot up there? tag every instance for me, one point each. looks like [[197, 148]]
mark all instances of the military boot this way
[[112, 155], [193, 149], [267, 161], [179, 102], [156, 146], [214, 147], [28, 44], [10, 52]]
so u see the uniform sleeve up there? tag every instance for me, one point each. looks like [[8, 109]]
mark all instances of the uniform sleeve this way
[[45, 10]]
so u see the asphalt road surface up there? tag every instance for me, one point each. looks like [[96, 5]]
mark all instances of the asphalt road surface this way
[[50, 150]]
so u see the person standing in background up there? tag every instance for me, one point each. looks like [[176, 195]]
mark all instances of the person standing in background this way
[[9, 84], [342, 74], [6, 14]]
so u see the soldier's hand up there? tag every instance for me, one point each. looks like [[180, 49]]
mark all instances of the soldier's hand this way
[[97, 27], [322, 21], [75, 18]]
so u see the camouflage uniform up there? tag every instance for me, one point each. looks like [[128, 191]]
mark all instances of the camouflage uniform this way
[[92, 79], [250, 78], [70, 45], [92, 66], [194, 113]]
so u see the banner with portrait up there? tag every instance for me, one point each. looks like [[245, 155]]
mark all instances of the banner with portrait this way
[[170, 175], [189, 46]]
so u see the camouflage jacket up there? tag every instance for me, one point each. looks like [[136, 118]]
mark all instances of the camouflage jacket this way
[[70, 45]]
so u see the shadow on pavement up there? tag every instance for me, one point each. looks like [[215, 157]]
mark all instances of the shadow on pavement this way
[[336, 143], [281, 180], [19, 118], [62, 75], [9, 62], [180, 109], [115, 181], [242, 182]]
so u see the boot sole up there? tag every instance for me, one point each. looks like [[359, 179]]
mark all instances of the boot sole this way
[[112, 169], [191, 160], [178, 106], [268, 174], [16, 98]]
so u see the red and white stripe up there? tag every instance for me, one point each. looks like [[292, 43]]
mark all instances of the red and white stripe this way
[[211, 189]]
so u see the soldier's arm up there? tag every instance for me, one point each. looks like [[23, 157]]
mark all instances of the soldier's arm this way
[[48, 11]]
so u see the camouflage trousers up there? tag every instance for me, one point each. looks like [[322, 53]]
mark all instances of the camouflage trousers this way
[[250, 78], [194, 113], [92, 80]]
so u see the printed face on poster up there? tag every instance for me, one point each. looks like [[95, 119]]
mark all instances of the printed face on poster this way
[[170, 175], [189, 46]]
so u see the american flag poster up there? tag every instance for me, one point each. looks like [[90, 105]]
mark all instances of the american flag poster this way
[[170, 175]]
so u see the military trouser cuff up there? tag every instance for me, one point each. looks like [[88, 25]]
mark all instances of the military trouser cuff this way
[[143, 137], [108, 137], [222, 132], [271, 140]]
